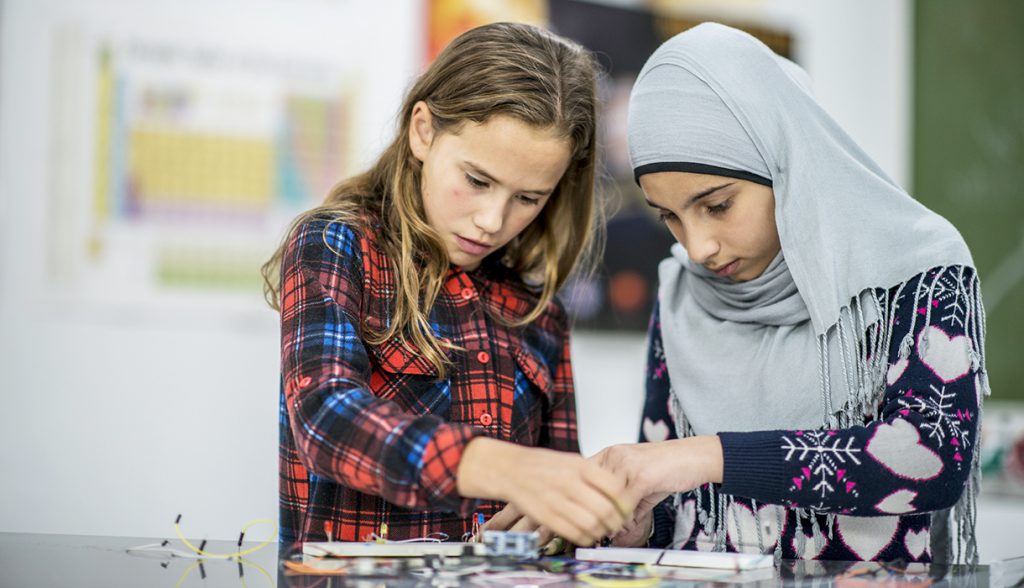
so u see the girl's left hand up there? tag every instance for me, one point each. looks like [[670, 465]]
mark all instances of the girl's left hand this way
[[510, 519]]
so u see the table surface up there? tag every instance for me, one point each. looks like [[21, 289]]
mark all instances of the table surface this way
[[31, 560]]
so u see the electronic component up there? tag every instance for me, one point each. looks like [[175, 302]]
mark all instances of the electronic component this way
[[516, 544]]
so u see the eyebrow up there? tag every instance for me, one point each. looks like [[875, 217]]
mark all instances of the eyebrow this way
[[479, 170], [693, 199]]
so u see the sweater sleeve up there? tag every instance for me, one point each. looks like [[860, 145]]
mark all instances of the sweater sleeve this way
[[657, 423], [916, 456], [342, 430]]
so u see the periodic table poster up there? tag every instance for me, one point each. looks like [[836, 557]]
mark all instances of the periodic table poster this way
[[177, 168]]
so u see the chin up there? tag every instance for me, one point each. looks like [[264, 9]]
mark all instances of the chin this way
[[746, 277], [465, 262]]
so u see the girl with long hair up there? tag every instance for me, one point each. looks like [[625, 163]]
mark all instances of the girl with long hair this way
[[425, 359]]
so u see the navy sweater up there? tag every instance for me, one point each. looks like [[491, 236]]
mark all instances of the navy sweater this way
[[881, 480]]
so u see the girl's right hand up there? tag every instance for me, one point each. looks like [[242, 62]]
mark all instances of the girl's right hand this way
[[573, 497]]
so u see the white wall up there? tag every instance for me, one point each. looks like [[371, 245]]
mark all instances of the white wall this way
[[114, 424]]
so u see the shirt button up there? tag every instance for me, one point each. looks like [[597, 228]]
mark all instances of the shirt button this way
[[486, 419], [483, 357], [467, 293]]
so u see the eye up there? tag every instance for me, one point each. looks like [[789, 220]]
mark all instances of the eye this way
[[720, 208], [528, 200], [476, 182], [666, 215]]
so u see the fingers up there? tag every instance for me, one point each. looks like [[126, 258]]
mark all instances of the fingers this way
[[545, 536], [635, 533], [593, 517], [525, 524], [565, 518], [613, 487], [506, 518], [647, 503], [573, 497], [505, 521], [595, 501], [564, 526]]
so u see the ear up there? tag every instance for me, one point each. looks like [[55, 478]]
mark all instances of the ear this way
[[421, 130]]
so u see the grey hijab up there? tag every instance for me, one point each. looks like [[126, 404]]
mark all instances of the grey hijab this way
[[762, 355]]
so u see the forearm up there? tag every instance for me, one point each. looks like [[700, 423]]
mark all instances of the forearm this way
[[679, 465], [485, 468], [371, 445], [707, 456]]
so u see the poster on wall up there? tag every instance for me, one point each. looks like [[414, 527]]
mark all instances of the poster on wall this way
[[447, 19], [177, 168]]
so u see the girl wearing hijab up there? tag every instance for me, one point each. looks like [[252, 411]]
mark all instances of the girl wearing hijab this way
[[816, 358]]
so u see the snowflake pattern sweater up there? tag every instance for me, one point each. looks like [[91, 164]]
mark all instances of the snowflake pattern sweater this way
[[865, 492]]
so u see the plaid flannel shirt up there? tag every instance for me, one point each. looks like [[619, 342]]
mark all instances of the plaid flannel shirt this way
[[368, 434]]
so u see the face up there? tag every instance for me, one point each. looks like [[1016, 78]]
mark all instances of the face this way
[[725, 224], [485, 183]]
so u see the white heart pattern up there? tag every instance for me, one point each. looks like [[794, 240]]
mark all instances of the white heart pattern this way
[[896, 370], [686, 518], [916, 543], [897, 446], [741, 527], [949, 358], [704, 541], [811, 543], [866, 537], [898, 502], [655, 431]]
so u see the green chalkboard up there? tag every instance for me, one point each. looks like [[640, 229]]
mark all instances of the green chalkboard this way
[[968, 146]]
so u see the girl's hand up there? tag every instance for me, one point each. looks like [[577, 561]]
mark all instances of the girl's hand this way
[[655, 470], [638, 530], [568, 495], [510, 519]]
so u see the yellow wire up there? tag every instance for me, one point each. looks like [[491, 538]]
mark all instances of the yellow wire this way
[[260, 568], [236, 554], [618, 582], [188, 570]]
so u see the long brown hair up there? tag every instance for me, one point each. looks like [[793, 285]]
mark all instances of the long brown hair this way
[[515, 70]]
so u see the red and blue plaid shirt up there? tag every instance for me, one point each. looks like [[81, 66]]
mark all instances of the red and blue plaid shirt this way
[[368, 434]]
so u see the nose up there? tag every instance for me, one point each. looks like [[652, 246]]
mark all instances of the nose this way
[[701, 244], [490, 215]]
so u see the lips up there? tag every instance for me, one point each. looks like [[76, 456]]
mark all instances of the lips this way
[[727, 269], [472, 247]]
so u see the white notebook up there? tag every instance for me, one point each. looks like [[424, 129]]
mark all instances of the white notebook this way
[[677, 558], [389, 549]]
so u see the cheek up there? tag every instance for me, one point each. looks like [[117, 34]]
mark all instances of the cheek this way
[[756, 232], [457, 192], [770, 234], [445, 194], [521, 218]]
